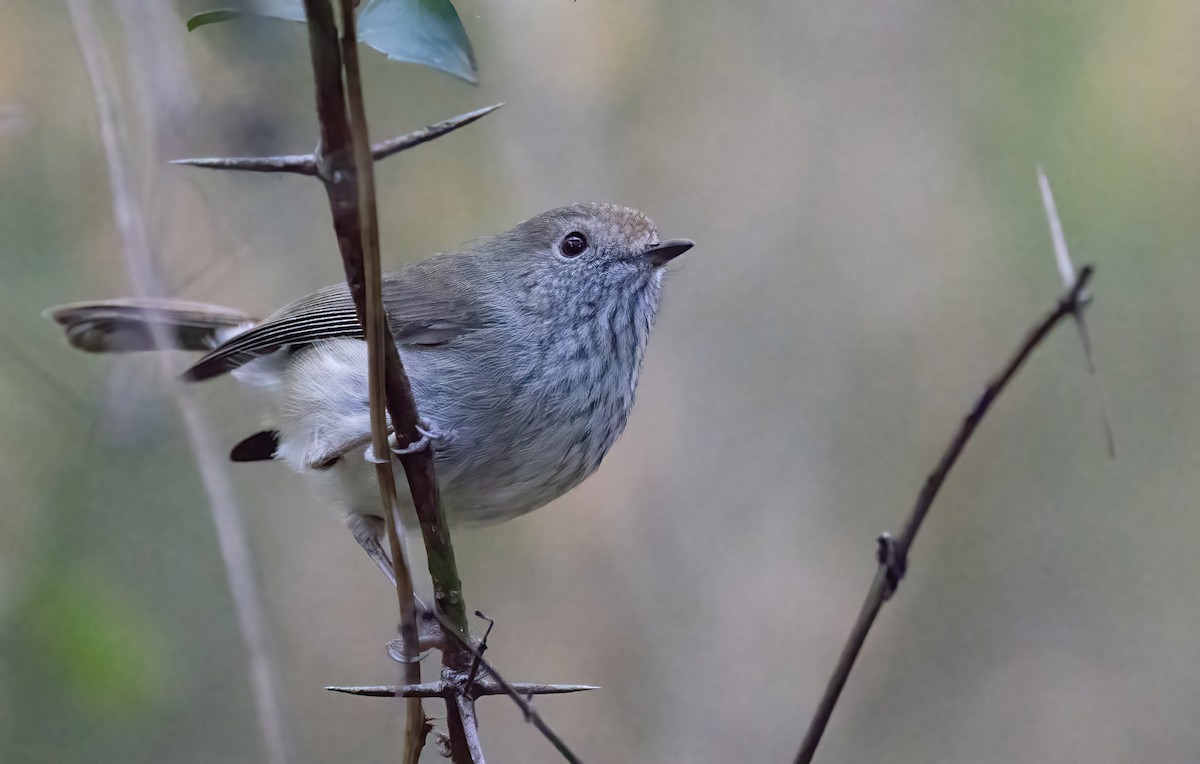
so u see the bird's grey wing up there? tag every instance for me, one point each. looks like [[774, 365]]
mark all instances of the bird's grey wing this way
[[325, 314], [425, 306]]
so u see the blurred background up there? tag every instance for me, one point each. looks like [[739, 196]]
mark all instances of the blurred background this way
[[860, 180]]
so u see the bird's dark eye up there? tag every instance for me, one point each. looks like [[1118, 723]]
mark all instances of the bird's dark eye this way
[[573, 244]]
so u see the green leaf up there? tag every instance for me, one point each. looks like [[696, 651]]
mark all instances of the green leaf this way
[[290, 10], [426, 32]]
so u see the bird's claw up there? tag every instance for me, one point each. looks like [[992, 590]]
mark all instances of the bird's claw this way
[[428, 436]]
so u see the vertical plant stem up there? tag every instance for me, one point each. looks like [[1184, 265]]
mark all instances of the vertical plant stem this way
[[378, 338], [231, 535], [337, 169], [340, 172]]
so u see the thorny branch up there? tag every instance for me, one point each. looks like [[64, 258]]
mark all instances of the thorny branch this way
[[510, 689], [344, 163], [307, 164], [893, 552], [350, 188]]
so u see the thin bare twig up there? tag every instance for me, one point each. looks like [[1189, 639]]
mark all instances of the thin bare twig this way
[[463, 725], [307, 164], [379, 338], [442, 688], [893, 552], [231, 536], [483, 645], [298, 164]]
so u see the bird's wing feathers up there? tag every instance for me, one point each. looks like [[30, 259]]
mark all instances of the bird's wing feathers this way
[[122, 325], [326, 314], [426, 307]]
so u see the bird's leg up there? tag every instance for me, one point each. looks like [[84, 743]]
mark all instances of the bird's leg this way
[[369, 531]]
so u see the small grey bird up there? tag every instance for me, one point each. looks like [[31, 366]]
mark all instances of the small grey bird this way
[[523, 350]]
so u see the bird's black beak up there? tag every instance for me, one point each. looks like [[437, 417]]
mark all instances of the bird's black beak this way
[[666, 251]]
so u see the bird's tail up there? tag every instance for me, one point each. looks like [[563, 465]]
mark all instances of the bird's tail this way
[[123, 325]]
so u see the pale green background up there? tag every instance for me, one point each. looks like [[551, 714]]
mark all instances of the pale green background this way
[[859, 178]]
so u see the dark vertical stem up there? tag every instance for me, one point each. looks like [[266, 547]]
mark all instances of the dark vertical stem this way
[[379, 339], [344, 164], [349, 184]]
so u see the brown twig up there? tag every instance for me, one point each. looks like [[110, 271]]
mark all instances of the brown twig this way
[[893, 553], [417, 462], [350, 188], [307, 164], [379, 340], [342, 155], [463, 726], [479, 651], [231, 535]]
